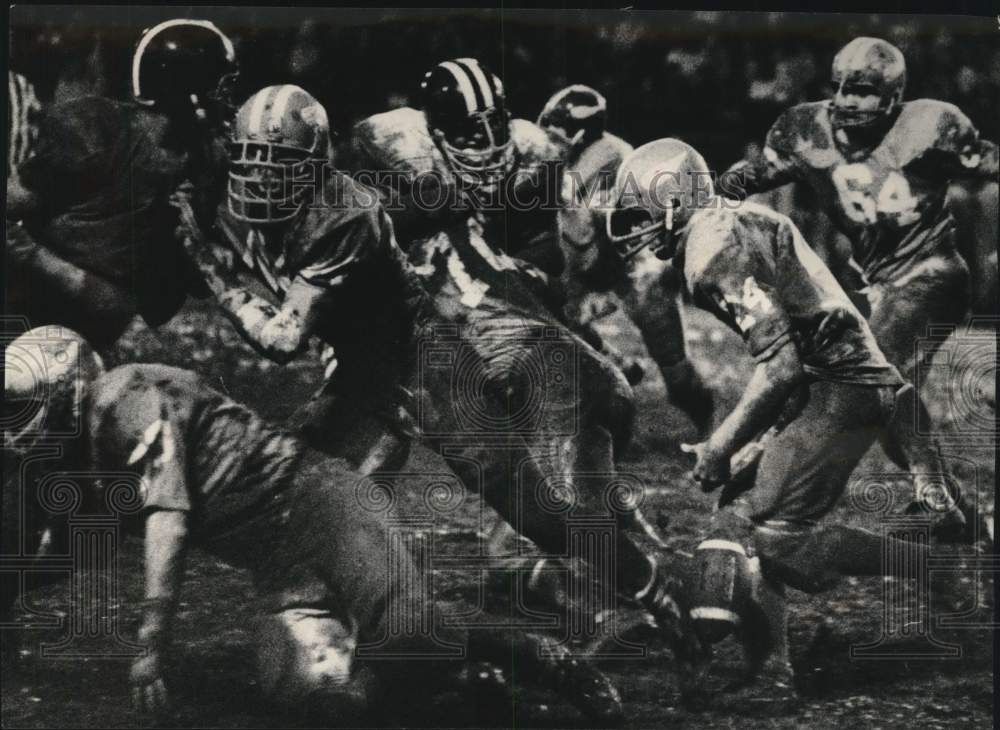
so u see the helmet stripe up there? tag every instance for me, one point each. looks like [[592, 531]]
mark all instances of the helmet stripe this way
[[485, 87], [256, 120], [148, 36], [857, 59], [280, 104], [464, 84]]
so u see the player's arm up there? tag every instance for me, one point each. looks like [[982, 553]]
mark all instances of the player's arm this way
[[90, 304], [66, 150], [159, 455], [277, 333], [957, 152], [758, 173], [773, 166], [747, 303], [773, 381], [165, 549]]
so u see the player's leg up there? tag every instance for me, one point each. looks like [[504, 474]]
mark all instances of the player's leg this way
[[802, 474], [324, 584], [651, 296], [932, 292], [356, 425]]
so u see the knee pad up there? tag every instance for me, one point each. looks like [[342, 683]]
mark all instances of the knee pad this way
[[302, 652]]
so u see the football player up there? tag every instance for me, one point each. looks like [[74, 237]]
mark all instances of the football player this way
[[90, 238], [324, 246], [463, 155], [210, 473], [644, 284], [884, 167], [818, 371]]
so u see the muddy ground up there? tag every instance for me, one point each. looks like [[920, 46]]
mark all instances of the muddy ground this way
[[212, 676]]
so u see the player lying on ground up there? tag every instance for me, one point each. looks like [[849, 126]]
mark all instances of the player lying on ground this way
[[327, 253], [884, 166], [818, 370], [578, 115], [330, 580], [89, 237]]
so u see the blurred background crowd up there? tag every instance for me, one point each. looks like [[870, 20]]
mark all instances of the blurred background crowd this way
[[715, 79]]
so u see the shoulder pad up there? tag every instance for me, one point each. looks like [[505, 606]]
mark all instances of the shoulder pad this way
[[804, 125], [929, 124], [109, 388], [709, 232], [613, 141], [602, 158], [399, 140], [534, 144]]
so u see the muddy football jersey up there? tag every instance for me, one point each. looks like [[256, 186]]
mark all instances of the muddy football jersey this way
[[888, 200], [103, 172], [751, 267], [197, 450], [343, 243], [396, 153]]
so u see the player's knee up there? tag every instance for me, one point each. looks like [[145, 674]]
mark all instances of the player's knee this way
[[605, 398], [797, 555], [306, 655]]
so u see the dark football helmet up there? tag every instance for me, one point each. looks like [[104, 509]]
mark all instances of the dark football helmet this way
[[578, 115], [869, 75], [278, 135], [182, 66], [468, 119]]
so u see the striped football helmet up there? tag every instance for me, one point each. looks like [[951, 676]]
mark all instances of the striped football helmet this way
[[468, 119], [278, 135]]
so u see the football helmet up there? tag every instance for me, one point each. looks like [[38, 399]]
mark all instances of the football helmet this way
[[468, 119], [184, 65], [279, 135], [46, 374], [657, 188], [578, 115], [869, 75]]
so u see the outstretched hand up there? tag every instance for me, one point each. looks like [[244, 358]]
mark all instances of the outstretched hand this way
[[711, 469]]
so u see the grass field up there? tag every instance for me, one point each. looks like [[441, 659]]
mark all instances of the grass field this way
[[212, 673]]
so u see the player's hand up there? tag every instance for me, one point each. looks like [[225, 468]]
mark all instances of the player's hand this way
[[21, 247], [711, 469], [149, 693], [187, 230]]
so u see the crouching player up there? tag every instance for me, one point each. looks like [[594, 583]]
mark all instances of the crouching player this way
[[216, 476], [644, 283], [751, 268]]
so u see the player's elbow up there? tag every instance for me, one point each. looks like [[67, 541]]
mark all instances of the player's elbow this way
[[784, 368]]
